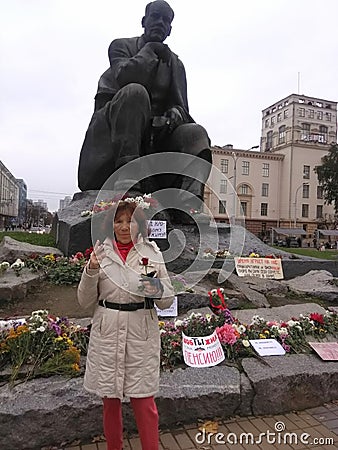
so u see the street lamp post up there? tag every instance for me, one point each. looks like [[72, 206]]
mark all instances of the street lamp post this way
[[295, 203]]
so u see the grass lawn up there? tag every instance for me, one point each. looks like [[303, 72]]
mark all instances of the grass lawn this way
[[314, 253], [46, 240]]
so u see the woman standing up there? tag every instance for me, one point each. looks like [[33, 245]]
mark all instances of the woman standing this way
[[124, 348]]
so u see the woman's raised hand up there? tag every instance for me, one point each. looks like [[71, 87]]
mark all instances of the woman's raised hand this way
[[96, 256]]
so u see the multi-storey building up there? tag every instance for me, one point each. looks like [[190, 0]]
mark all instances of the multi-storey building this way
[[277, 186], [9, 197]]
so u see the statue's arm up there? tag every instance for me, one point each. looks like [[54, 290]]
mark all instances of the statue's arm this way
[[126, 68]]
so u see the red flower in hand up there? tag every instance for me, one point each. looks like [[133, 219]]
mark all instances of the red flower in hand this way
[[317, 317], [145, 261]]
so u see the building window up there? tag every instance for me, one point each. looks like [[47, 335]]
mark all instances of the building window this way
[[322, 137], [244, 207], [266, 169], [306, 191], [305, 136], [281, 134], [245, 167], [223, 187], [306, 172], [279, 117], [286, 113], [273, 119], [320, 115], [264, 209], [244, 189], [311, 114], [305, 210], [301, 112], [266, 123], [224, 165], [268, 144], [319, 212], [265, 190], [222, 206], [328, 116], [319, 192]]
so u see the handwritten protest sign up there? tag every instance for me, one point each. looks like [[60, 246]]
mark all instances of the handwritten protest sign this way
[[168, 312], [158, 229], [259, 267], [267, 347], [202, 351]]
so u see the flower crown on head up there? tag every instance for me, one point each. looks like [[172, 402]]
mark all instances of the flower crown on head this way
[[144, 201]]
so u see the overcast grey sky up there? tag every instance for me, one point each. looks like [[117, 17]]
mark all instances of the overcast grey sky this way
[[240, 57]]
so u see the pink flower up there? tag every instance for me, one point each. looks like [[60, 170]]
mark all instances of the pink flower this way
[[226, 334]]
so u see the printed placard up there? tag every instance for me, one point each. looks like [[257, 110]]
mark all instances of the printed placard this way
[[267, 347], [328, 351], [6, 324], [158, 229], [168, 312], [202, 351], [259, 267]]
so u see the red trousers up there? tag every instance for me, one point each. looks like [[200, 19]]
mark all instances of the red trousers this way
[[146, 416]]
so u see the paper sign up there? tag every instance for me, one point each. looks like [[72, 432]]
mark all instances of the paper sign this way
[[259, 267], [158, 229], [7, 324], [202, 351], [328, 351], [168, 312], [267, 347]]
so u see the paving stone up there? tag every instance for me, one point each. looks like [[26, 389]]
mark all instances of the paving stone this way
[[168, 442]]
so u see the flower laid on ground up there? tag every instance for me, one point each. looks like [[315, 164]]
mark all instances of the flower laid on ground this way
[[209, 253], [17, 266], [60, 269], [179, 284], [3, 267], [254, 255], [234, 336], [43, 345], [144, 201]]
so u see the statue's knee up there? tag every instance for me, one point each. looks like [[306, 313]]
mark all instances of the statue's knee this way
[[135, 91]]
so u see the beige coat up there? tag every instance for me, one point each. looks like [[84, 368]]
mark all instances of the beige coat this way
[[124, 348]]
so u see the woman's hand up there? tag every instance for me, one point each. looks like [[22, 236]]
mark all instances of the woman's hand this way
[[96, 256], [152, 287]]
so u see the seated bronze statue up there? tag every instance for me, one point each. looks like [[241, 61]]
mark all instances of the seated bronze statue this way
[[141, 108]]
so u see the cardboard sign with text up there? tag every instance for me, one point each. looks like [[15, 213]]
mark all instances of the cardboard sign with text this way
[[259, 267], [158, 229], [267, 347], [168, 312], [328, 351], [202, 351]]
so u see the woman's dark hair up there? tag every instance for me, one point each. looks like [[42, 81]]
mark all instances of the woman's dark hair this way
[[131, 208]]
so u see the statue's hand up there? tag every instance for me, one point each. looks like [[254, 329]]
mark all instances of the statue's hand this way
[[174, 118], [162, 51]]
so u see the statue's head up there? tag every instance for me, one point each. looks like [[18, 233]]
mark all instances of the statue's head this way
[[157, 21]]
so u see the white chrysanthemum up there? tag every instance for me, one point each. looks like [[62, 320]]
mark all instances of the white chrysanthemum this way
[[178, 323], [42, 329], [246, 343], [282, 330], [241, 329], [162, 331], [5, 265]]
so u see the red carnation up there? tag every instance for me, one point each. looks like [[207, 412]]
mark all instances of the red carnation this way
[[145, 261], [317, 317]]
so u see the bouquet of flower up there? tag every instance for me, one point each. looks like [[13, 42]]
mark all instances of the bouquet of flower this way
[[217, 300]]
